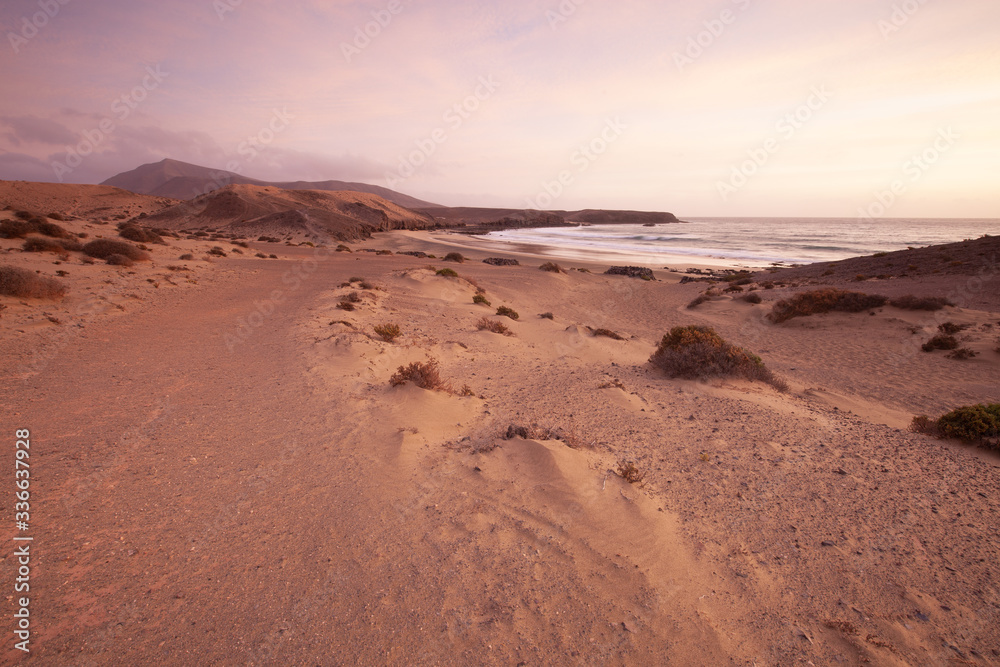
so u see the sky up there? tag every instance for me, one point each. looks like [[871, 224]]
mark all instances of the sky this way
[[829, 108]]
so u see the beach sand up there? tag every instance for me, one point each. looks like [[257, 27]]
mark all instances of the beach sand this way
[[226, 476]]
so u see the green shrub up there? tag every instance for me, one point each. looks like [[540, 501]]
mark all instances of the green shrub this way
[[447, 273], [454, 257], [104, 248], [25, 284], [508, 312], [978, 424], [479, 298], [389, 332], [824, 301], [697, 351]]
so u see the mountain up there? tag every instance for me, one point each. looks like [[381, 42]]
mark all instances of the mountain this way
[[182, 180], [312, 215], [101, 202]]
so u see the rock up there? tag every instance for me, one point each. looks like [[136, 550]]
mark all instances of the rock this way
[[631, 271], [501, 261]]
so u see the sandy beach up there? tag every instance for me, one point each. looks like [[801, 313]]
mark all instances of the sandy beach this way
[[225, 474]]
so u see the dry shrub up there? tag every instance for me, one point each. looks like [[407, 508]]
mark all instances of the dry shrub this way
[[508, 312], [447, 273], [962, 353], [341, 248], [217, 251], [346, 305], [479, 298], [628, 471], [186, 256], [552, 267], [104, 248], [824, 301], [423, 374], [353, 297], [383, 252], [454, 257], [139, 234], [752, 297], [940, 342], [15, 229], [119, 260], [608, 333], [910, 302], [696, 352], [40, 244], [950, 328], [22, 283], [486, 324], [697, 301], [388, 331], [547, 316]]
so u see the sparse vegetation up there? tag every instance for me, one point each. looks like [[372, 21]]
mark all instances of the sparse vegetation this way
[[501, 261], [447, 273], [479, 298], [824, 301], [186, 256], [697, 301], [454, 257], [940, 342], [18, 282], [139, 234], [752, 297], [697, 351], [486, 324], [423, 374], [504, 311], [343, 248], [552, 267], [388, 331], [118, 260], [104, 248], [607, 333], [950, 328], [962, 353], [42, 244], [632, 271], [346, 305], [978, 424], [910, 302], [217, 251], [628, 471], [547, 316]]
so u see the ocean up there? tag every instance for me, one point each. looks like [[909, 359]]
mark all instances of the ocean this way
[[751, 242]]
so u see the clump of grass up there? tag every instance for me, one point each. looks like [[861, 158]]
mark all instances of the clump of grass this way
[[697, 351], [343, 248], [353, 297], [104, 248], [979, 424], [24, 284], [824, 301], [910, 302], [752, 297], [950, 328], [547, 316], [552, 267], [486, 324], [480, 298], [940, 342], [628, 471], [697, 301], [454, 257], [607, 333], [962, 353], [447, 273], [423, 374], [508, 312], [388, 331], [139, 234], [118, 260], [217, 251]]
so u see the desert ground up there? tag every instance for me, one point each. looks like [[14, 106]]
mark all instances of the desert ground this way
[[223, 473]]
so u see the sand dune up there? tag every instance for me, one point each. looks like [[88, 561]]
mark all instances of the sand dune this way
[[83, 201], [233, 449]]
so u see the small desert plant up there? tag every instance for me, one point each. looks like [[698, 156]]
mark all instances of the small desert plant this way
[[346, 305], [552, 267], [22, 283], [423, 374], [355, 279], [217, 251], [343, 248], [118, 260], [486, 324], [910, 302], [628, 471], [940, 342], [697, 351], [447, 273], [950, 328], [104, 248], [260, 255], [697, 301], [186, 256], [508, 312], [383, 252], [388, 331], [479, 298], [978, 423], [962, 354], [39, 244], [353, 297], [547, 316], [752, 297], [466, 391], [824, 301], [139, 234], [15, 229], [454, 257], [607, 333]]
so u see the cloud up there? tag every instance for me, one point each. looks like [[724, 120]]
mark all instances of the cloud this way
[[35, 129]]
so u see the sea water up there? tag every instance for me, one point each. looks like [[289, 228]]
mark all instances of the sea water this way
[[747, 241]]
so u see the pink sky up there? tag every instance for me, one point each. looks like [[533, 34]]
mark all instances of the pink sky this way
[[735, 107]]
